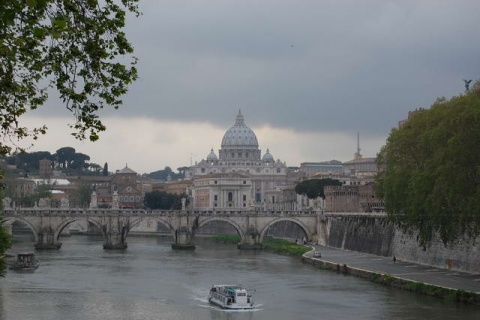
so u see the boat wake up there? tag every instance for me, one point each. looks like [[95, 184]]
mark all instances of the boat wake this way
[[210, 306]]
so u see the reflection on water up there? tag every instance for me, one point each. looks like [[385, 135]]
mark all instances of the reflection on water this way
[[151, 281]]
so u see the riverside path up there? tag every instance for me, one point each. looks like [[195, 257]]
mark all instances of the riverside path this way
[[401, 269]]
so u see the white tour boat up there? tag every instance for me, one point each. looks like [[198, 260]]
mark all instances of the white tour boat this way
[[230, 297]]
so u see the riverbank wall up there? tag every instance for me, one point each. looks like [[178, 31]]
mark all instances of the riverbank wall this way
[[374, 234], [397, 282]]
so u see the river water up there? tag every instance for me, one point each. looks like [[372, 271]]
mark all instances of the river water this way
[[151, 281]]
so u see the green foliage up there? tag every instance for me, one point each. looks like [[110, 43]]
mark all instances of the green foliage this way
[[163, 200], [5, 239], [105, 170], [227, 238], [427, 289], [74, 47], [431, 181], [83, 195], [64, 156], [65, 159], [162, 175], [276, 245], [284, 247], [5, 243], [313, 188], [29, 161]]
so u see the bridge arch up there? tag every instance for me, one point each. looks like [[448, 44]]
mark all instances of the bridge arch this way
[[66, 222], [227, 220], [137, 221], [26, 221], [296, 221]]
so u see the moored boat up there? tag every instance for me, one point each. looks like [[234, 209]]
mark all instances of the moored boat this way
[[230, 297], [25, 262]]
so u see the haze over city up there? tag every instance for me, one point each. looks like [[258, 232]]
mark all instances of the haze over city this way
[[307, 76]]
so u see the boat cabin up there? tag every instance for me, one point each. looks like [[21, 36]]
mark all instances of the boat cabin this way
[[26, 259], [231, 297]]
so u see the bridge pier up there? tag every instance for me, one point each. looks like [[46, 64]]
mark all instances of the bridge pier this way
[[183, 239], [115, 230], [251, 240], [46, 240]]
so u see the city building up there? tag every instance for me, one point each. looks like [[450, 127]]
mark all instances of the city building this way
[[239, 177], [325, 168], [129, 188], [45, 169], [359, 198], [360, 166]]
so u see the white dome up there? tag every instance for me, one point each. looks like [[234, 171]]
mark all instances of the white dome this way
[[239, 135], [267, 157], [212, 156]]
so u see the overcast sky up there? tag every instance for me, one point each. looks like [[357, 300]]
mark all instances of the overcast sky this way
[[307, 75]]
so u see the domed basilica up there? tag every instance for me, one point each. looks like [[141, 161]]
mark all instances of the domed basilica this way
[[239, 178]]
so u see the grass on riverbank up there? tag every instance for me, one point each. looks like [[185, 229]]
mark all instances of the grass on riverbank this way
[[427, 289], [276, 245]]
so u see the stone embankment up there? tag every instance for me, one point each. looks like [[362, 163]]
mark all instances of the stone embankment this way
[[456, 286], [374, 234]]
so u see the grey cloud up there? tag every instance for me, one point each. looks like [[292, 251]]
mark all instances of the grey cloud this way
[[306, 65]]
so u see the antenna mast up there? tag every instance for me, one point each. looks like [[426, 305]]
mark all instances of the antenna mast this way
[[357, 154]]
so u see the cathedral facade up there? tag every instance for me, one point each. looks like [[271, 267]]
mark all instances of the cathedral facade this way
[[240, 177]]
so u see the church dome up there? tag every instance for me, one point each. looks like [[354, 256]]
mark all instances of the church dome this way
[[267, 157], [212, 156], [239, 135]]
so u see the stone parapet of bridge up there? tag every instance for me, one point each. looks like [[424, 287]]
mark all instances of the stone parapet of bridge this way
[[48, 223], [141, 212]]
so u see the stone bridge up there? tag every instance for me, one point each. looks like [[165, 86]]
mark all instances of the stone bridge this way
[[48, 223]]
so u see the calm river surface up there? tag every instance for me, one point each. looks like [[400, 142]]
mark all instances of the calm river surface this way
[[151, 281]]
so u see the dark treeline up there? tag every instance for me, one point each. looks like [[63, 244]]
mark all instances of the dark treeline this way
[[65, 159], [70, 162]]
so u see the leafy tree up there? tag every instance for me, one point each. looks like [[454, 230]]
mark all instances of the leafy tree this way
[[105, 170], [70, 161], [65, 156], [93, 169], [431, 181], [5, 239], [83, 195], [5, 244], [75, 47], [181, 172], [28, 162], [163, 174], [313, 188], [79, 161], [163, 200], [42, 191]]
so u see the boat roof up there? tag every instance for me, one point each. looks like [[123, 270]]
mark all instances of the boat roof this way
[[229, 286], [26, 254]]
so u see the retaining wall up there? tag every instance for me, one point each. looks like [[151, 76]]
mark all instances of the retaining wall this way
[[375, 235]]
